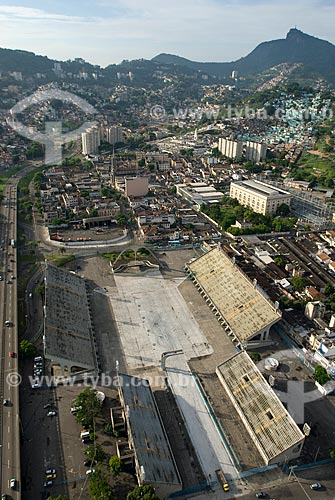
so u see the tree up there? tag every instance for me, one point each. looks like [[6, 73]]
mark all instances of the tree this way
[[115, 465], [95, 452], [27, 349], [320, 375], [279, 261], [283, 210], [62, 250], [121, 219], [146, 492], [298, 283], [329, 289], [255, 356], [100, 489], [89, 407]]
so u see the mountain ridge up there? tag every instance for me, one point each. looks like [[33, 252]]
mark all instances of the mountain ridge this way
[[314, 53]]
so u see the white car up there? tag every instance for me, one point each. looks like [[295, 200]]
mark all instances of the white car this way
[[315, 486], [12, 483], [50, 471], [51, 413]]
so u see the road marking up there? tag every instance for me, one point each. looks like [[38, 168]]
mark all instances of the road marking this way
[[8, 429], [8, 445]]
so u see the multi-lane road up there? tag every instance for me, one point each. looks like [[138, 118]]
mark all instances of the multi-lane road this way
[[9, 388]]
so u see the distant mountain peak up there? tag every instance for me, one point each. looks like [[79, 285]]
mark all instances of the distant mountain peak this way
[[316, 55], [294, 32]]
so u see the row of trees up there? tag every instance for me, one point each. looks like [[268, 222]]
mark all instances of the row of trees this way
[[88, 410]]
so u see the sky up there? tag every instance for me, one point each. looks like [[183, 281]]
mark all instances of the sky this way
[[107, 31]]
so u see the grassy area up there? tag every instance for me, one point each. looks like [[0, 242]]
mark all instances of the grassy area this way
[[317, 169], [60, 260], [310, 162]]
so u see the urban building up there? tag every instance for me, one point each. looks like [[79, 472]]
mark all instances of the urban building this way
[[255, 151], [136, 186], [199, 193], [90, 140], [315, 310], [230, 149], [260, 197], [114, 134]]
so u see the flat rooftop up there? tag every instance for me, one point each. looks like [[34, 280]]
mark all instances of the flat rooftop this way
[[241, 304], [262, 189], [151, 444], [68, 332], [268, 422]]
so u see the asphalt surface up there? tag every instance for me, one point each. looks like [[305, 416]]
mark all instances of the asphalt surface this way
[[10, 435]]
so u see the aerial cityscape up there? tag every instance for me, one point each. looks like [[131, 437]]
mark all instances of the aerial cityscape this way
[[167, 250]]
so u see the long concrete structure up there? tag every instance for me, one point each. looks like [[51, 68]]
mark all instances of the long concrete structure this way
[[272, 429], [239, 305], [9, 386]]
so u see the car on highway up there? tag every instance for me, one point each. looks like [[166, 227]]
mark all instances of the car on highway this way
[[315, 486], [50, 471], [89, 472], [51, 476], [12, 483], [47, 484], [1, 278], [48, 405], [6, 402], [4, 497], [261, 494], [51, 413], [12, 354], [8, 322], [36, 383]]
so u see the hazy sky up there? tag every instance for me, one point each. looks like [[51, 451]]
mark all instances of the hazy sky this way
[[107, 31]]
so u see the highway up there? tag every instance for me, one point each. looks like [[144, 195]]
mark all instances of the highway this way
[[9, 389]]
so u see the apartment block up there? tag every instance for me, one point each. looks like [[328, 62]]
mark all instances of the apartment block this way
[[231, 149], [261, 198]]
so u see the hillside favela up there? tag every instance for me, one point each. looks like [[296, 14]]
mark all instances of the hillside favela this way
[[167, 251]]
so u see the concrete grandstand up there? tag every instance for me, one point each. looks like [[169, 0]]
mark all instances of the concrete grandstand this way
[[154, 461], [240, 306], [272, 429], [68, 335]]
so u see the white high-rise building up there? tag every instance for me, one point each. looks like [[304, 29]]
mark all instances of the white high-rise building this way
[[114, 134], [231, 149], [90, 140], [255, 151]]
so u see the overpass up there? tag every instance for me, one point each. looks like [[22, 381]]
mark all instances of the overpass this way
[[9, 388]]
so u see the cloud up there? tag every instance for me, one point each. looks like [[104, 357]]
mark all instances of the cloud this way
[[106, 31]]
